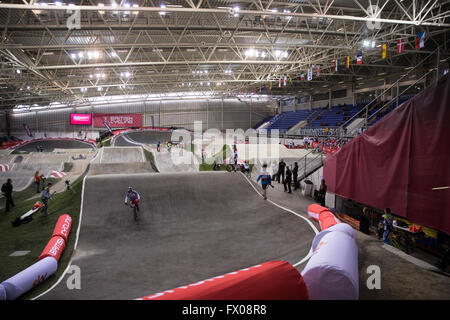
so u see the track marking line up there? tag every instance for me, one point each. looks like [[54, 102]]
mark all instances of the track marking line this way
[[74, 247], [293, 212]]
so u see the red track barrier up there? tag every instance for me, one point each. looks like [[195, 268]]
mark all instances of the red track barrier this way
[[273, 280], [54, 248], [62, 227]]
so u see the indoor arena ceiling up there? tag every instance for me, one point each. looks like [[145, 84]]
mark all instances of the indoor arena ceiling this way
[[143, 48]]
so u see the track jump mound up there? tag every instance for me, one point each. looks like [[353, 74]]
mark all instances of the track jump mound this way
[[120, 160], [122, 142], [121, 155], [119, 168], [50, 145], [149, 137], [192, 226]]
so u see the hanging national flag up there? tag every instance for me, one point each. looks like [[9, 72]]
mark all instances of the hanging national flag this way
[[270, 85], [302, 76], [420, 40], [279, 83], [309, 74], [359, 58], [318, 70], [400, 46], [347, 62], [290, 80], [335, 65], [384, 51], [285, 81]]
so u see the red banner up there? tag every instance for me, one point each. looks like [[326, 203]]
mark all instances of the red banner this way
[[117, 120]]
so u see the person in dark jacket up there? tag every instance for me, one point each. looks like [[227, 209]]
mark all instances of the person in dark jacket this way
[[295, 175], [288, 180], [322, 193], [281, 167], [7, 189]]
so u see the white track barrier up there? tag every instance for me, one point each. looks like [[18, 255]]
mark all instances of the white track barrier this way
[[29, 278], [341, 227], [2, 293], [332, 271]]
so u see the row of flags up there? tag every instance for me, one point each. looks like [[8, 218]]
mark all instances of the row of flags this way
[[283, 80], [420, 42]]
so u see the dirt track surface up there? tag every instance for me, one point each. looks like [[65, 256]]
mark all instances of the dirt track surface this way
[[50, 145], [192, 227], [149, 137]]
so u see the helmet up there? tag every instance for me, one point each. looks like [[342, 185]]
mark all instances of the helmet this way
[[130, 189]]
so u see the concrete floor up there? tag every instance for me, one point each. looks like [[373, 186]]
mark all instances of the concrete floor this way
[[193, 226]]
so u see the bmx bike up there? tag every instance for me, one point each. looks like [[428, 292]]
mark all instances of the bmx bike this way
[[135, 211]]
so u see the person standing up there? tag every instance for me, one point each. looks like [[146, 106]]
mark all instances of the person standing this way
[[45, 197], [7, 189], [37, 181], [322, 193], [295, 175], [266, 180], [281, 167], [387, 226], [288, 180], [158, 146], [203, 155]]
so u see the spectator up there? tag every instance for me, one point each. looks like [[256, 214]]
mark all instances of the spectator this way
[[37, 181], [387, 226], [45, 197], [364, 221], [203, 155], [281, 167], [7, 189], [288, 180], [322, 192], [295, 174]]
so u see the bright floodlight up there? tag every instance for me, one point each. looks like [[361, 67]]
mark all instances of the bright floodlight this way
[[366, 43]]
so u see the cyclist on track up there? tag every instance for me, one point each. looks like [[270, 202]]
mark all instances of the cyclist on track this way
[[133, 197], [266, 180]]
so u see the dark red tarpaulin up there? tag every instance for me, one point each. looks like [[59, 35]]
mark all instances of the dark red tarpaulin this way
[[402, 162]]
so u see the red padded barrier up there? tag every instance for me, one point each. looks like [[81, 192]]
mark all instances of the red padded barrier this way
[[54, 248], [273, 280], [63, 226]]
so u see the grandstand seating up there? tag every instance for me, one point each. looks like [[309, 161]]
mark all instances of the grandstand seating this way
[[324, 117]]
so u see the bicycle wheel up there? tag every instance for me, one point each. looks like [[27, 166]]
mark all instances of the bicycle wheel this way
[[135, 214]]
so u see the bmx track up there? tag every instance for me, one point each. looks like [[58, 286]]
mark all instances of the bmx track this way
[[192, 226]]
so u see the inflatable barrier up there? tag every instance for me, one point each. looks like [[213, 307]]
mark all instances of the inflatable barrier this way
[[340, 227], [62, 227], [327, 219], [54, 248], [17, 285], [332, 271], [2, 293], [273, 280], [314, 211]]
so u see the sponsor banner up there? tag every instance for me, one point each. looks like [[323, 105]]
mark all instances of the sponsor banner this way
[[78, 118], [62, 227], [273, 280], [117, 120]]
